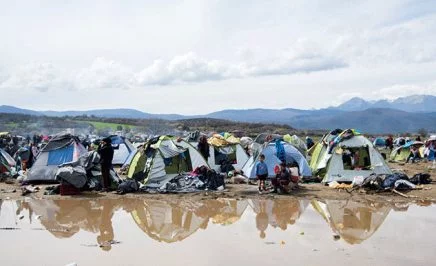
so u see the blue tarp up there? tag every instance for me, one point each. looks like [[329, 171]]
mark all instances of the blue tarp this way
[[60, 156]]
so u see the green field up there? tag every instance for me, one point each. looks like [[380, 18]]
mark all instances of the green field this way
[[104, 125]]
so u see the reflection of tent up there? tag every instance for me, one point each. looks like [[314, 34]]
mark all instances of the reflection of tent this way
[[167, 222], [227, 148], [170, 222], [277, 213], [164, 160], [400, 154], [6, 161], [226, 211], [61, 149], [123, 150], [290, 154], [64, 218], [342, 155], [353, 221]]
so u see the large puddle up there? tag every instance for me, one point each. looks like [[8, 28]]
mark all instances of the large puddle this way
[[215, 232]]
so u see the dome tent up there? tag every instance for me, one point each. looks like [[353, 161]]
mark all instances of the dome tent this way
[[225, 148], [162, 159], [401, 153], [123, 150], [59, 150], [342, 155], [272, 158]]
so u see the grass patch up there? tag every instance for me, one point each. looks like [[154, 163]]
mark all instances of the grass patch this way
[[103, 125]]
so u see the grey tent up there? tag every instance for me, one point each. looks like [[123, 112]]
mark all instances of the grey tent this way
[[345, 155], [59, 150]]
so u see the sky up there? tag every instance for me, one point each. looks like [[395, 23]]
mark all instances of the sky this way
[[199, 56]]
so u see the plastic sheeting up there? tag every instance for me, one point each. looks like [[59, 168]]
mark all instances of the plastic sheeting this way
[[60, 156], [7, 157]]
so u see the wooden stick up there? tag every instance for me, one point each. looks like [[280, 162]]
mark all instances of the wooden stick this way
[[403, 195]]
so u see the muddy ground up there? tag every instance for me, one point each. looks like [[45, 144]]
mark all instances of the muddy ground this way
[[244, 191]]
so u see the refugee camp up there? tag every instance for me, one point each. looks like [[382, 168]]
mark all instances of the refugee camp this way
[[217, 132]]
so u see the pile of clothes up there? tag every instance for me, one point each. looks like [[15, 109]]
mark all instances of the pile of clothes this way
[[85, 173], [202, 178], [397, 181]]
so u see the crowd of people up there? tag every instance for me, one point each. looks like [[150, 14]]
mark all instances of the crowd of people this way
[[23, 150]]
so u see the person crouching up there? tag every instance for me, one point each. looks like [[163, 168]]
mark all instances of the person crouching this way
[[282, 180]]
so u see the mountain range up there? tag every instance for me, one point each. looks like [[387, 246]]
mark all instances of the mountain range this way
[[405, 114]]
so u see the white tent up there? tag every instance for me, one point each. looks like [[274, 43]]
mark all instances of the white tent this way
[[123, 150]]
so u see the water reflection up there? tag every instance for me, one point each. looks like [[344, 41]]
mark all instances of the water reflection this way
[[170, 221], [65, 218], [353, 221], [277, 213]]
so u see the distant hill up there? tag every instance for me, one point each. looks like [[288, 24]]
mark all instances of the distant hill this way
[[413, 103], [406, 114], [375, 120], [7, 109], [114, 113]]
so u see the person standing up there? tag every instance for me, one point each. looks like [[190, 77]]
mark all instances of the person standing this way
[[106, 152], [261, 172], [203, 147]]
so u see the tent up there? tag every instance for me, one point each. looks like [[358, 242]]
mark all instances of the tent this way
[[165, 157], [294, 140], [123, 150], [430, 146], [379, 142], [270, 150], [401, 153], [226, 148], [60, 149], [345, 155], [353, 221], [6, 161]]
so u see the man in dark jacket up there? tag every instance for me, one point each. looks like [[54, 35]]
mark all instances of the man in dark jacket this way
[[106, 153]]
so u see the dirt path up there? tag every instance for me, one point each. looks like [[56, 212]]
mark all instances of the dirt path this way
[[243, 191]]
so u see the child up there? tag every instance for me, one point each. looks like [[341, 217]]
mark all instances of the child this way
[[261, 172]]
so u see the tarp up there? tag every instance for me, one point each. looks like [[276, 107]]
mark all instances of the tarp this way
[[219, 141]]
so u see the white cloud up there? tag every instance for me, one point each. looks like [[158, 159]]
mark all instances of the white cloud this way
[[36, 76], [192, 68], [184, 68], [104, 74], [245, 48], [397, 91], [187, 68]]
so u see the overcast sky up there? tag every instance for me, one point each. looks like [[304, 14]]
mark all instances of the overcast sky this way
[[197, 56]]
